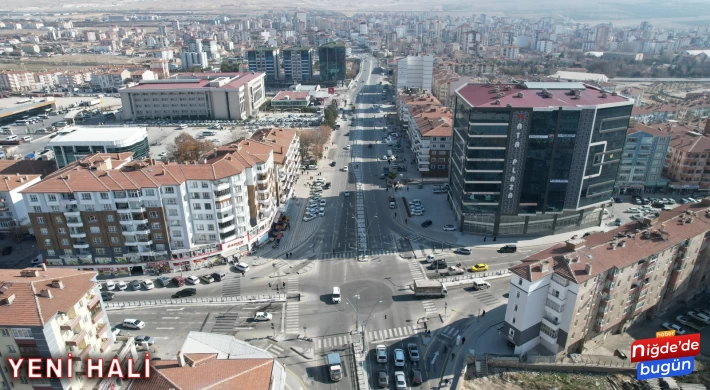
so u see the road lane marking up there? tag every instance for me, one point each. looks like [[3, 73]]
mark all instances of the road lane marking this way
[[171, 318], [164, 328]]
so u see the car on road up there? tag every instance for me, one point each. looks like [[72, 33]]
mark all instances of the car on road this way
[[132, 323], [162, 154], [449, 228], [345, 168], [144, 339], [427, 223], [398, 355], [480, 267], [399, 380], [676, 327], [116, 331], [107, 296], [241, 267], [381, 352], [347, 147], [262, 316], [346, 194], [219, 276], [462, 251], [109, 285], [384, 158], [6, 250], [121, 285], [207, 278], [617, 222], [383, 379], [438, 264], [136, 284], [508, 249], [413, 350], [192, 279], [332, 163], [322, 202], [185, 292], [417, 378], [148, 284], [308, 218], [430, 258]]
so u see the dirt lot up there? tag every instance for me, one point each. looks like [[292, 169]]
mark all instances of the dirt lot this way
[[541, 381], [64, 62]]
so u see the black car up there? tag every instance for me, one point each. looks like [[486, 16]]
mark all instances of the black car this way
[[508, 249], [332, 163], [416, 378], [438, 264], [186, 292], [107, 296], [426, 223], [6, 250]]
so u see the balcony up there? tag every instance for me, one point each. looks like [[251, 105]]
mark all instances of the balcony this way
[[556, 298], [550, 339], [95, 300], [72, 212], [106, 345], [102, 329], [222, 186], [74, 222], [75, 234], [97, 315], [80, 244], [263, 188], [76, 338], [551, 322], [263, 178], [222, 195], [224, 217], [223, 205], [84, 354], [69, 199], [226, 229], [68, 323]]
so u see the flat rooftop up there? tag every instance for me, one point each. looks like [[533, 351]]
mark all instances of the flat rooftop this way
[[530, 95], [291, 95], [20, 108], [200, 81], [87, 136]]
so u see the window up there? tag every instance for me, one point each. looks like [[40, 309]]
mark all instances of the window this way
[[169, 190], [158, 236], [193, 184], [89, 207], [200, 227], [92, 218], [11, 349], [520, 281], [149, 192], [44, 231], [37, 209], [54, 209], [51, 198], [205, 195], [47, 242], [25, 333], [515, 308], [107, 207], [109, 218], [85, 196], [159, 247], [5, 332], [177, 233], [208, 206], [50, 252], [517, 295], [197, 206], [98, 240], [179, 244], [61, 230], [210, 227], [153, 214], [205, 185], [112, 229], [100, 251], [33, 198], [95, 229], [118, 250], [104, 195], [171, 201], [40, 220], [115, 240], [65, 241], [172, 213]]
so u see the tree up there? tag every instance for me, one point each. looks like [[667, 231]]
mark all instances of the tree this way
[[313, 141], [330, 116], [187, 148]]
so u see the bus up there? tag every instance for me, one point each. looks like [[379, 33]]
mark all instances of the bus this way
[[22, 122]]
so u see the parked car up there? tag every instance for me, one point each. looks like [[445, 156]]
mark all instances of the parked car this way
[[207, 278], [241, 267], [479, 267], [192, 279], [121, 285], [462, 251], [449, 228], [148, 284], [144, 339], [381, 351], [413, 350], [6, 250], [132, 323], [109, 285], [383, 379], [107, 296], [398, 358], [417, 378], [426, 223], [400, 382], [136, 285], [185, 292]]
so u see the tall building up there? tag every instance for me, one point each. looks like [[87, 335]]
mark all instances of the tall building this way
[[643, 159], [331, 57], [415, 72], [120, 217], [535, 157], [267, 60], [233, 96], [194, 59], [586, 289], [298, 64], [48, 313]]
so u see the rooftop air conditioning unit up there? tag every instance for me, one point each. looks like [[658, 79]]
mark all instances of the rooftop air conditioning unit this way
[[497, 101]]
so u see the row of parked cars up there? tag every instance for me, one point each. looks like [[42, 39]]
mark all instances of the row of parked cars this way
[[316, 204], [696, 320], [398, 357]]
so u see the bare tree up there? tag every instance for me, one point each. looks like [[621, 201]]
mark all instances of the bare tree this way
[[187, 148]]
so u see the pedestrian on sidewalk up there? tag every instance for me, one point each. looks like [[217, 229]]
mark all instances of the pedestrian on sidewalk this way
[[290, 254], [284, 284], [269, 284]]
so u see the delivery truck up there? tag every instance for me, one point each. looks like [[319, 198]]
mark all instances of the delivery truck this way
[[334, 366], [430, 289]]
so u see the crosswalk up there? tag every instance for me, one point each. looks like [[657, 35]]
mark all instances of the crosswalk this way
[[448, 332], [225, 323], [392, 333], [429, 308], [416, 270], [274, 350], [232, 287], [485, 297], [351, 254], [333, 341], [292, 285], [292, 317]]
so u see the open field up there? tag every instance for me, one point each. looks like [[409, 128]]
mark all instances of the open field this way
[[65, 62]]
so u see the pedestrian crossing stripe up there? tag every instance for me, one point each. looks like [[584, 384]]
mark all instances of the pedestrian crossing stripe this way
[[392, 333], [352, 254], [274, 350], [292, 317], [448, 332]]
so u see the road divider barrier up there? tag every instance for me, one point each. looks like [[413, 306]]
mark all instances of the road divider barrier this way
[[463, 279], [185, 301]]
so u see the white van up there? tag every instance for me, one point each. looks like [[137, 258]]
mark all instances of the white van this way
[[11, 138], [336, 295], [27, 139], [480, 284]]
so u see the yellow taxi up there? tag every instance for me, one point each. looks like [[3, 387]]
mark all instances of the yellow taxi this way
[[479, 267]]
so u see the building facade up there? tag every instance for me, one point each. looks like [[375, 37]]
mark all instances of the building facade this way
[[430, 131], [643, 159], [48, 313], [298, 64], [687, 158], [585, 289], [16, 81], [79, 142], [534, 158], [109, 80], [234, 96], [331, 57], [287, 158], [192, 59], [267, 60], [415, 72]]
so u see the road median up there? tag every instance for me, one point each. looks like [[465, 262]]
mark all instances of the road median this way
[[195, 301]]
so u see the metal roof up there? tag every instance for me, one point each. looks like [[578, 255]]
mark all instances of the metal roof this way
[[554, 85]]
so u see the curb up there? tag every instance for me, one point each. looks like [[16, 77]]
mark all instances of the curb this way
[[194, 301]]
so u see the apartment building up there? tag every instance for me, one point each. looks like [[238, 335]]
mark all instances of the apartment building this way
[[266, 60], [430, 131], [108, 213], [16, 81], [287, 158], [298, 64], [686, 164], [643, 159], [234, 96], [15, 176], [585, 289], [445, 84], [109, 80], [407, 99], [44, 80], [69, 79], [414, 72], [535, 157], [48, 313]]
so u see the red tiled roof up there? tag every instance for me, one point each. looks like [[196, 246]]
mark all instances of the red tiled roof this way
[[279, 139], [205, 371], [598, 253], [291, 95], [31, 309]]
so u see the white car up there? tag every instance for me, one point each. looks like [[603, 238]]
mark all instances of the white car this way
[[381, 354], [242, 267], [262, 316], [429, 258], [321, 214], [162, 154], [110, 285], [133, 323], [384, 158], [676, 327], [399, 381], [192, 279], [449, 228], [417, 212], [121, 285], [398, 358], [347, 147], [345, 169], [148, 284], [309, 218]]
